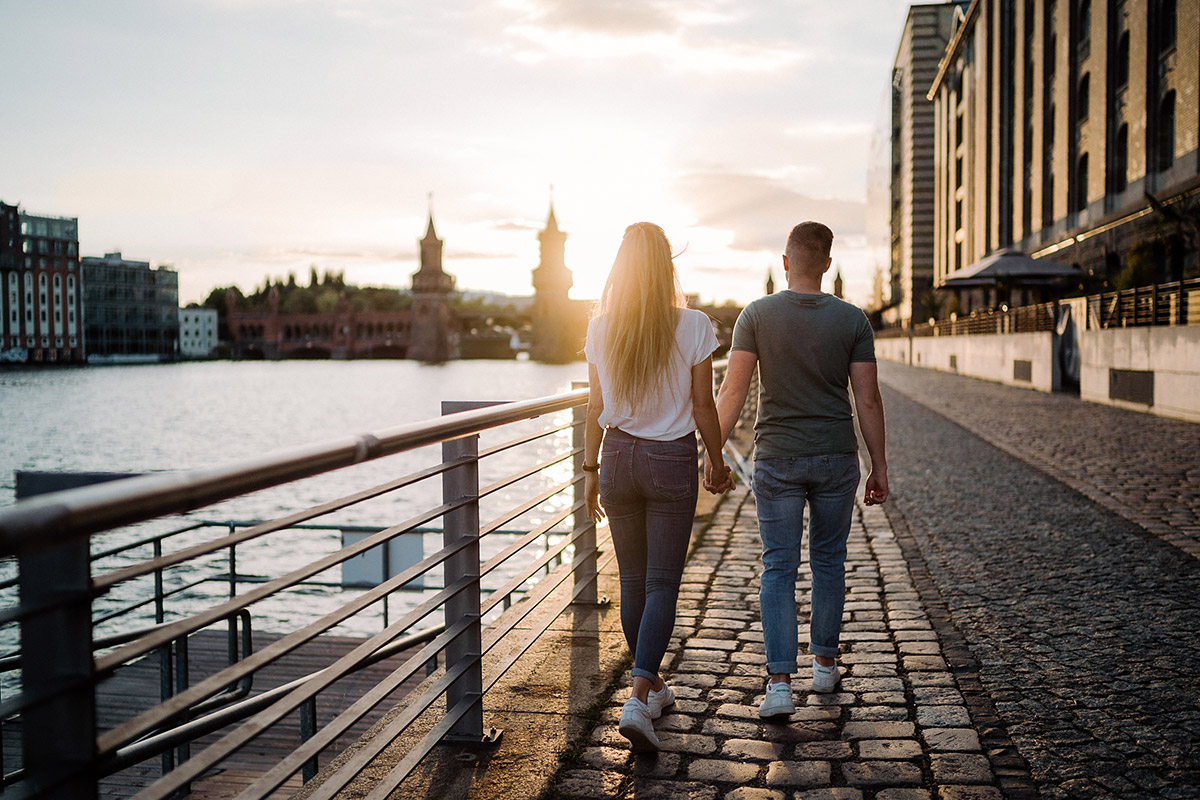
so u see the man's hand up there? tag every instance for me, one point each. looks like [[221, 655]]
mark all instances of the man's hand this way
[[877, 488], [718, 479]]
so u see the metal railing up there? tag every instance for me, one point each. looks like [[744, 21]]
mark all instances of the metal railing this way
[[440, 634], [1176, 303], [64, 754]]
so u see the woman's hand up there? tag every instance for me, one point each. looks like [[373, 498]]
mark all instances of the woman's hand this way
[[591, 494], [718, 477]]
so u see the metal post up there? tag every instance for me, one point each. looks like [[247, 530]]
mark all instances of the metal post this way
[[461, 483], [585, 573], [59, 735], [308, 729]]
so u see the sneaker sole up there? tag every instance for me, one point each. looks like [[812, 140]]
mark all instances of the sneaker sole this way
[[783, 712], [824, 689], [638, 741]]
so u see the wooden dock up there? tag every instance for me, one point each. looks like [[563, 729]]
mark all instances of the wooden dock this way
[[135, 689]]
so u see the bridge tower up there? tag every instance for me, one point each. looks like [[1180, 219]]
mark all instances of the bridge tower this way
[[557, 331], [429, 333]]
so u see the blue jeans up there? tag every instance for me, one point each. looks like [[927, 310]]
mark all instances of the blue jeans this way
[[649, 490], [781, 488]]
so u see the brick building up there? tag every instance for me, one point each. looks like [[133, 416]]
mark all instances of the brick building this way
[[922, 45], [41, 296], [1067, 129]]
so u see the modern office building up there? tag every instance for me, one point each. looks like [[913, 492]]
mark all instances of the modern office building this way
[[41, 294], [1069, 130], [197, 332], [927, 30], [131, 310]]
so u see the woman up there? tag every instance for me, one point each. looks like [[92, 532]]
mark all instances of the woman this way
[[650, 370]]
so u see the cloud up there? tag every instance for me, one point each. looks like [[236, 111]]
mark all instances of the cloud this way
[[515, 225], [680, 33], [759, 210]]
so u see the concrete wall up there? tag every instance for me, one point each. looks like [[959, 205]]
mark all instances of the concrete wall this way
[[1171, 353], [989, 357]]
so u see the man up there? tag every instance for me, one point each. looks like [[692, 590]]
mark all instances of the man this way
[[807, 345]]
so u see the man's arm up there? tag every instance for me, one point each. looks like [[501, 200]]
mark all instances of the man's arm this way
[[734, 388], [864, 382]]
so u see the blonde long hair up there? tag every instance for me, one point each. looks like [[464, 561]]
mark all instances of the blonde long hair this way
[[641, 300]]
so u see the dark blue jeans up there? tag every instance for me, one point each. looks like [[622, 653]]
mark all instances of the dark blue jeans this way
[[649, 490]]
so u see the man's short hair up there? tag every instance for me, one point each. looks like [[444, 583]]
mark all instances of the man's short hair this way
[[808, 246]]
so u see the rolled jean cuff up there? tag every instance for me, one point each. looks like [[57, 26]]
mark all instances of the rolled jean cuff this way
[[823, 652], [638, 672], [781, 667]]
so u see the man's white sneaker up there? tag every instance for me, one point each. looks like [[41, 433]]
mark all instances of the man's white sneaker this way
[[825, 679], [777, 702], [636, 726], [659, 700]]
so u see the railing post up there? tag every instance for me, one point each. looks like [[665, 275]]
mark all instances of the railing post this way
[[459, 483], [585, 573], [59, 734]]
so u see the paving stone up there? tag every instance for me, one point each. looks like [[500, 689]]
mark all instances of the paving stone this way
[[961, 739], [657, 765], [725, 727], [753, 749], [884, 698], [932, 695], [903, 794], [969, 793], [798, 773], [750, 793], [831, 793], [943, 717], [889, 749], [923, 663], [960, 768], [675, 790], [879, 713], [878, 730], [826, 751], [881, 773], [693, 744], [712, 770]]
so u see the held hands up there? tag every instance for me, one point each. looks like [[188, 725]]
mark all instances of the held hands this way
[[718, 478]]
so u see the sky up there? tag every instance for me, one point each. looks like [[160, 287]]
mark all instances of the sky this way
[[241, 140]]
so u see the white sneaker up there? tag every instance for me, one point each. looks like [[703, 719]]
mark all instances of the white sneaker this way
[[825, 679], [659, 700], [777, 702], [636, 726]]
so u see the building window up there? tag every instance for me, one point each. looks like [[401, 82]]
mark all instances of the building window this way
[[1082, 98], [1165, 27], [1120, 166], [1165, 146], [1121, 67], [1085, 21], [1079, 200]]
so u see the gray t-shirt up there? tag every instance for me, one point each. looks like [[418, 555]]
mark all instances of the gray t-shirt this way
[[805, 344]]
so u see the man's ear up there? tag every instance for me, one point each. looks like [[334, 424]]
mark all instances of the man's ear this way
[[785, 265], [828, 263]]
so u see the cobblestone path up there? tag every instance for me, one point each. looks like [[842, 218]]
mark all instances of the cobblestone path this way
[[1084, 624], [1144, 468], [898, 727]]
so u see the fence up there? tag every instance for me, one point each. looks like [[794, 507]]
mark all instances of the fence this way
[[62, 662], [1175, 303]]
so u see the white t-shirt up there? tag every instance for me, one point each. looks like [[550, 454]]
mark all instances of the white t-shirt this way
[[669, 415]]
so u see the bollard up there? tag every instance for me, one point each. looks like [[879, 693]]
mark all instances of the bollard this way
[[463, 523]]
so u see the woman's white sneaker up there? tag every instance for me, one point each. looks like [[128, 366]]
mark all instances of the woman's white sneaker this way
[[825, 679], [636, 726], [659, 700], [777, 702]]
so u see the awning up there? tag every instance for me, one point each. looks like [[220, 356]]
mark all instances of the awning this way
[[1011, 267]]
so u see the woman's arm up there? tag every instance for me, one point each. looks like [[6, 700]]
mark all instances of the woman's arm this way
[[593, 435], [704, 409]]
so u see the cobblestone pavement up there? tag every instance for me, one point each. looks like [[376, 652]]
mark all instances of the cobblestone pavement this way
[[1083, 623], [1143, 467], [899, 729]]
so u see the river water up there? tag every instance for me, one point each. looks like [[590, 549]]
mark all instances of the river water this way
[[165, 417]]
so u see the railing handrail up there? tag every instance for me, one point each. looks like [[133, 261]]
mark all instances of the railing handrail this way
[[40, 522]]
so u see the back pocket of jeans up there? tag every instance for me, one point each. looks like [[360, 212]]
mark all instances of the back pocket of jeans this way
[[674, 477]]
